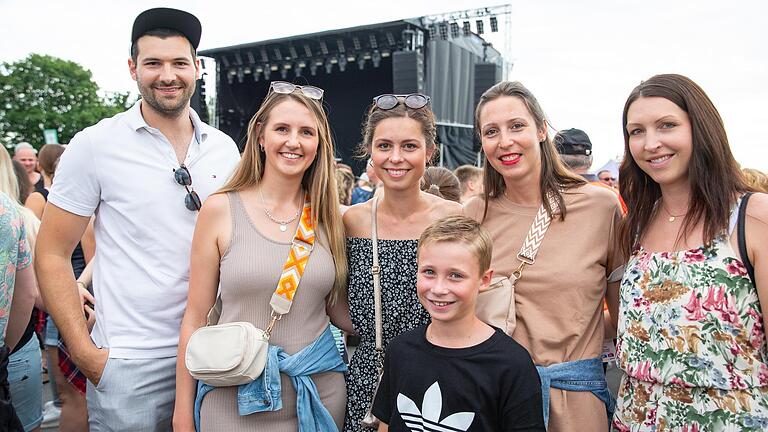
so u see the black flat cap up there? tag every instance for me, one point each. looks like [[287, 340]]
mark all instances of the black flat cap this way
[[174, 19], [573, 142]]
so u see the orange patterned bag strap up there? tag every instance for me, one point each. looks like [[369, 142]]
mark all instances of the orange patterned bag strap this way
[[293, 269]]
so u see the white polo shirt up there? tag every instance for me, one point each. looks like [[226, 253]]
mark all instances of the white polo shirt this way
[[121, 169]]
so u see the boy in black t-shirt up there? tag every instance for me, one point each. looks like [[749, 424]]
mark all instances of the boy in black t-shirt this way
[[457, 373]]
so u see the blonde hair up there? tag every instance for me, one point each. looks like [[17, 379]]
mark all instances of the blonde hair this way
[[465, 173], [8, 182], [319, 179], [755, 179], [461, 229], [9, 185], [345, 181]]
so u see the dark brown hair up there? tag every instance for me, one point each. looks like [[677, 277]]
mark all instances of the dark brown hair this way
[[48, 158], [713, 173], [25, 187], [441, 182], [162, 33], [554, 175], [423, 116]]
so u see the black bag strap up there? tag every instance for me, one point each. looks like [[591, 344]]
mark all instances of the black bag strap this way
[[742, 238]]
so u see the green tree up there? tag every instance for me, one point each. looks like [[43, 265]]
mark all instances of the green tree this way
[[44, 92]]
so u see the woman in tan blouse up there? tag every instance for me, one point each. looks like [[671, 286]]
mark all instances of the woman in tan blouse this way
[[558, 300]]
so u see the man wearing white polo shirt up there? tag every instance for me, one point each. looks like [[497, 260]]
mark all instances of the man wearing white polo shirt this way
[[143, 173]]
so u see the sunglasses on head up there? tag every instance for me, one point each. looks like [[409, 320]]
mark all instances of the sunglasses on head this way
[[284, 87], [184, 178], [608, 178], [389, 101]]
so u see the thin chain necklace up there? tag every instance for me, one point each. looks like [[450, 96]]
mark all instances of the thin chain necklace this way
[[283, 223], [671, 216]]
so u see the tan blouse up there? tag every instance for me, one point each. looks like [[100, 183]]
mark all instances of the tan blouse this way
[[558, 300]]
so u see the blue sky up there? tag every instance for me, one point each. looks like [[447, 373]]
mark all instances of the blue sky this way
[[580, 58]]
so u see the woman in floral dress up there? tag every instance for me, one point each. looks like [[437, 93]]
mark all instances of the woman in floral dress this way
[[691, 328]]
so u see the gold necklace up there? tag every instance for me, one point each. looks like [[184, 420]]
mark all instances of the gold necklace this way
[[671, 216]]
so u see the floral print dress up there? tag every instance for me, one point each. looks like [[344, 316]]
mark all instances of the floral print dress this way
[[692, 343], [14, 256]]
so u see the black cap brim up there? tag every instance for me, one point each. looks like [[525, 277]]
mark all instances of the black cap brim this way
[[174, 19]]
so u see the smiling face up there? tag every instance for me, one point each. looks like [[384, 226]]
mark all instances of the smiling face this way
[[449, 280], [165, 72], [660, 139], [511, 138], [399, 152], [289, 139]]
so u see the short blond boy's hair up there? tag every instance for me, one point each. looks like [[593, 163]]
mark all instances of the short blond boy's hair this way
[[461, 229]]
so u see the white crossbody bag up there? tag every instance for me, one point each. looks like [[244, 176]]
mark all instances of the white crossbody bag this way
[[235, 353]]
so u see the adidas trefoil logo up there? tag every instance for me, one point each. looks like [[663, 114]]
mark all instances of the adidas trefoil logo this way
[[428, 419]]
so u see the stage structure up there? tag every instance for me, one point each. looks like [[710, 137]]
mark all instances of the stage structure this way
[[443, 56]]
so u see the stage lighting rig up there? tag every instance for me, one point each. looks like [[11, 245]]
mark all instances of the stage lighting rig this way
[[391, 39], [443, 28], [454, 30], [432, 32], [494, 24]]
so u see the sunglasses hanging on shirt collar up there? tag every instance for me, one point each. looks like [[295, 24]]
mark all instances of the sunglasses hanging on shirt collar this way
[[184, 178]]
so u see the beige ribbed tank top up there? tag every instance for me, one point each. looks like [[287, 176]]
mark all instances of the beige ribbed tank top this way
[[249, 272]]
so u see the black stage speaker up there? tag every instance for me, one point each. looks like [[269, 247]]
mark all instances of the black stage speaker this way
[[407, 72], [486, 75]]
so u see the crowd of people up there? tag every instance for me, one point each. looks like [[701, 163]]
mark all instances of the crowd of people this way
[[176, 284]]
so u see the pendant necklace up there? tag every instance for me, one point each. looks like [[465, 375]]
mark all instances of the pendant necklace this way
[[283, 223], [671, 216]]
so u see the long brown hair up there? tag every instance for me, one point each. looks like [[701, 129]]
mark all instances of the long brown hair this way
[[319, 179], [713, 173], [554, 175]]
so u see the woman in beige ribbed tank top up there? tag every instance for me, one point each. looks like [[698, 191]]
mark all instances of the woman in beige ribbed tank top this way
[[242, 238]]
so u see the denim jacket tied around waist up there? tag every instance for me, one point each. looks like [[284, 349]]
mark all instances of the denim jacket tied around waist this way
[[265, 392], [577, 375]]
